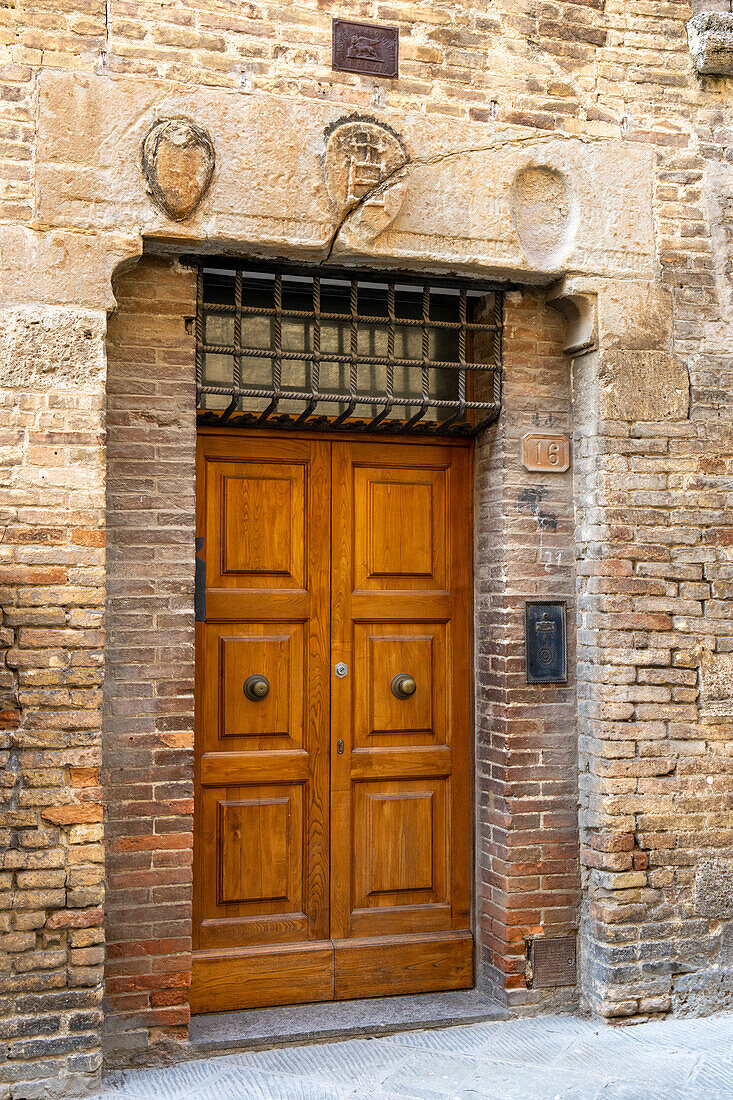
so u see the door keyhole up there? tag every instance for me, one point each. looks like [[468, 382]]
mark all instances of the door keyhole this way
[[340, 746]]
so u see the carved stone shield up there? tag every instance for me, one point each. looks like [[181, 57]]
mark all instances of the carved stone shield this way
[[362, 168], [178, 163]]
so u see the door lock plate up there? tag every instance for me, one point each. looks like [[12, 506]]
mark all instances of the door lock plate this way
[[341, 670]]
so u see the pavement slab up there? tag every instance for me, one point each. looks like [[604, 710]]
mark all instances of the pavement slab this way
[[556, 1057]]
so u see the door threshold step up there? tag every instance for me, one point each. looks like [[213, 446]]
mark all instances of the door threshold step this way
[[259, 1028]]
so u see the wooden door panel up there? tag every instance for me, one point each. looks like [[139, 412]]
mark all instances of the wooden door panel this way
[[258, 858], [255, 834], [410, 963], [257, 514], [399, 850], [279, 974], [254, 883], [231, 721], [400, 790], [261, 822], [399, 524], [381, 652]]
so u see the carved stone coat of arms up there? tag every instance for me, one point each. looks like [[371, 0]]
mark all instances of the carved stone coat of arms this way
[[363, 165]]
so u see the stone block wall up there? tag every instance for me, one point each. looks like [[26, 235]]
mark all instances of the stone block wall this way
[[148, 728]]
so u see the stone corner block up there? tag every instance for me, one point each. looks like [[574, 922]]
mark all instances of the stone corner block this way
[[634, 316], [43, 347], [63, 267], [713, 892], [710, 38], [642, 386], [716, 685]]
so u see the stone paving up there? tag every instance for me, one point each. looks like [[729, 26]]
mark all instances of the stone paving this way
[[541, 1058]]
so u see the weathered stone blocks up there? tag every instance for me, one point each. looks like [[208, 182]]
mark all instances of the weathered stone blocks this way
[[710, 35], [642, 385], [714, 888], [42, 347], [716, 684], [269, 188]]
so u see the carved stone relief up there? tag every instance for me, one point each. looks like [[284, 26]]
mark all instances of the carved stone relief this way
[[543, 214], [294, 174], [361, 155], [178, 163]]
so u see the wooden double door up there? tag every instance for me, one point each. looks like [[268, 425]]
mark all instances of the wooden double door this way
[[333, 761]]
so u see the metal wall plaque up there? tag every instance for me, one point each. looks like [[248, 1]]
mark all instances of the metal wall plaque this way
[[553, 962], [546, 643], [364, 48], [546, 452]]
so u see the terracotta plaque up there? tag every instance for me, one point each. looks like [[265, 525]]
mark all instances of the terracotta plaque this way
[[545, 452], [364, 48]]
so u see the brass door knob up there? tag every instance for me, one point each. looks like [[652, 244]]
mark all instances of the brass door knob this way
[[403, 686], [256, 688]]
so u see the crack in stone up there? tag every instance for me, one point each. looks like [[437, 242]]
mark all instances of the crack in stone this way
[[401, 171]]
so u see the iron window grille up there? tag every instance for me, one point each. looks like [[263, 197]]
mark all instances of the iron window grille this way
[[334, 349]]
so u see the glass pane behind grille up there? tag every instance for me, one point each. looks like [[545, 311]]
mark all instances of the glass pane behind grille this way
[[307, 350]]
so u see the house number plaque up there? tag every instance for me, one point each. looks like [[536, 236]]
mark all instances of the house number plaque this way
[[545, 452], [545, 643]]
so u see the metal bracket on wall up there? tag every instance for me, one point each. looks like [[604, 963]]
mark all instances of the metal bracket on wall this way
[[199, 593]]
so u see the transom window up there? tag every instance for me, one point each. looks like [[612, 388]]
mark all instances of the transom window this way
[[320, 348]]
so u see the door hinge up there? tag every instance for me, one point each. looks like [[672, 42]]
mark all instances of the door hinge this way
[[199, 591]]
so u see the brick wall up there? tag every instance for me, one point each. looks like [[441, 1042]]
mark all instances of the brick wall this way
[[51, 670], [654, 537], [526, 767], [148, 727], [653, 530], [654, 541]]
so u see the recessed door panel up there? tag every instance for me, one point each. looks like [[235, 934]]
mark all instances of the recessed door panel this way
[[258, 844], [275, 652], [256, 849], [257, 514], [399, 529], [384, 651]]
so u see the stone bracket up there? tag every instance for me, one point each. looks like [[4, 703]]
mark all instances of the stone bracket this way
[[578, 304]]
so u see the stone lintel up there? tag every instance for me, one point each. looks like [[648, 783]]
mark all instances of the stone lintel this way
[[530, 206]]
